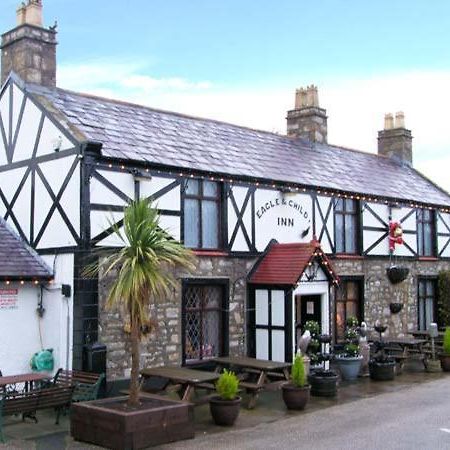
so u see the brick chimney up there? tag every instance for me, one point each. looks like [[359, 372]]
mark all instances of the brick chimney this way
[[30, 49], [395, 141], [307, 120]]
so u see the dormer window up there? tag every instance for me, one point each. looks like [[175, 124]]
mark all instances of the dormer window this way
[[201, 207]]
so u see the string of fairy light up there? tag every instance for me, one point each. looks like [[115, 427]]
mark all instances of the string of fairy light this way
[[20, 282], [284, 187]]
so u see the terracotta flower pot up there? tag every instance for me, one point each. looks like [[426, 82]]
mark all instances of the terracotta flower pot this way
[[224, 412], [295, 397]]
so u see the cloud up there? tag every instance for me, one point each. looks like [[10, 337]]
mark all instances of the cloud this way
[[355, 106]]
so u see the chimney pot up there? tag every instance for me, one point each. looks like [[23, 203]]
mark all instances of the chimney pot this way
[[400, 120], [388, 121], [307, 120], [30, 13]]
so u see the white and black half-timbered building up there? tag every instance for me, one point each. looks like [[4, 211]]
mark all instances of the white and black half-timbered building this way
[[285, 228]]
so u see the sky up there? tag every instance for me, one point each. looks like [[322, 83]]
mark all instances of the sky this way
[[241, 60]]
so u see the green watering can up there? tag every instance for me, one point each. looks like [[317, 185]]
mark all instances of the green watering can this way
[[43, 361]]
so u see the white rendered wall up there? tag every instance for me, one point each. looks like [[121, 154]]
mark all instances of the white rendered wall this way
[[21, 328]]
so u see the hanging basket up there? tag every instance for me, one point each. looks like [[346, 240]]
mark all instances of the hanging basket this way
[[397, 274], [395, 307]]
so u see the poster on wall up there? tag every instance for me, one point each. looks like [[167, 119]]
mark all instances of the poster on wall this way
[[284, 217], [9, 299]]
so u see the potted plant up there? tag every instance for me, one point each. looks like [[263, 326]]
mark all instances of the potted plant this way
[[445, 355], [381, 367], [349, 362], [225, 406], [296, 392], [323, 381], [313, 349], [397, 274], [143, 272]]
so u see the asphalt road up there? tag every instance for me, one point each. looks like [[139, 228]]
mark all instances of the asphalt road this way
[[415, 418]]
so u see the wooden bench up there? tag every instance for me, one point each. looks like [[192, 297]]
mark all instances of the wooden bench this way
[[27, 403], [86, 384]]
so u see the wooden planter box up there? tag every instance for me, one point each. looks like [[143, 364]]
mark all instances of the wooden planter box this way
[[109, 424]]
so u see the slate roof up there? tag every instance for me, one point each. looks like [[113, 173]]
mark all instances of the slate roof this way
[[138, 133], [17, 260], [284, 264]]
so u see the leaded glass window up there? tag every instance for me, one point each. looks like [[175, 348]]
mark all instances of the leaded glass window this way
[[203, 322]]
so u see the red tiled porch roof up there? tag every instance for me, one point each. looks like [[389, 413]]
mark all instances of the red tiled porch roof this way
[[285, 263]]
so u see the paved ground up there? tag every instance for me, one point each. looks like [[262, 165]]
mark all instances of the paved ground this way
[[407, 413], [413, 418]]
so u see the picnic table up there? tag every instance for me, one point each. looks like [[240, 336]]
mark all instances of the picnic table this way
[[28, 380], [182, 379], [403, 349], [255, 374]]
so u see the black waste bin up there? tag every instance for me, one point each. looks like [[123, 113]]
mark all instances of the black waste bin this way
[[94, 358]]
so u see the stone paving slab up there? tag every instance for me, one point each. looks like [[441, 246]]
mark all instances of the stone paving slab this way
[[45, 435]]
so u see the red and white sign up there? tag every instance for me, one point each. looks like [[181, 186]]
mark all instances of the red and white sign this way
[[9, 298]]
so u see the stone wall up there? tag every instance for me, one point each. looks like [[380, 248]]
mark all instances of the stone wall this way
[[164, 346], [379, 292]]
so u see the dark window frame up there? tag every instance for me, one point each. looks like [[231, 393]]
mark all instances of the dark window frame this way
[[200, 197], [356, 214], [224, 316], [360, 301], [426, 280], [421, 224]]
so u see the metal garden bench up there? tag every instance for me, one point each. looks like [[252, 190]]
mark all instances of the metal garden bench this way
[[27, 403], [86, 384]]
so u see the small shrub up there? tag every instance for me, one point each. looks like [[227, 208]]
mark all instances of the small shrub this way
[[227, 385], [446, 345], [313, 327], [351, 347], [298, 373], [352, 322]]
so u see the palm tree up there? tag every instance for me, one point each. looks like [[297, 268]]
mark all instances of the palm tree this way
[[144, 267]]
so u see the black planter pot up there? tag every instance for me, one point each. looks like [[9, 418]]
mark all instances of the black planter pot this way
[[323, 383], [397, 274], [295, 397], [382, 370], [445, 362], [395, 307], [224, 412]]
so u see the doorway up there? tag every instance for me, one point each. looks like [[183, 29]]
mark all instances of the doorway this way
[[307, 307]]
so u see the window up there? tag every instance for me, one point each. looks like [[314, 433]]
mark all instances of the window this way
[[346, 226], [204, 322], [202, 214], [425, 232], [426, 302], [348, 304]]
